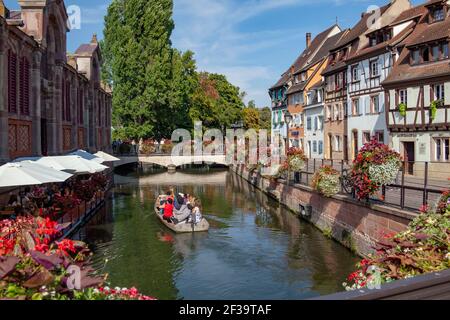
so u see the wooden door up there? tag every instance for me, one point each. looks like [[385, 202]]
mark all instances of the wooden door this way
[[409, 156]]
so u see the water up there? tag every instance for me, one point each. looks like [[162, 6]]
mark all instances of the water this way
[[255, 249]]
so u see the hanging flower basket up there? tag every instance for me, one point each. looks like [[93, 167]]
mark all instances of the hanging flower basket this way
[[375, 166], [296, 159], [326, 181]]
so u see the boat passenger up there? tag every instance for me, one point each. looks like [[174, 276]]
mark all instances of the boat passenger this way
[[196, 212], [168, 210], [182, 214]]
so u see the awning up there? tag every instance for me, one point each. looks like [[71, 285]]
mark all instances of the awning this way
[[28, 173]]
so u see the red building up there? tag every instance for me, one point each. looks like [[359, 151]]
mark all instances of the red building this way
[[50, 102]]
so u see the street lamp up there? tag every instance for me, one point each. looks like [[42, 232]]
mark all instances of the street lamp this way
[[287, 120]]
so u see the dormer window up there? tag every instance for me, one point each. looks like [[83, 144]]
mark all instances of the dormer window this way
[[437, 14], [430, 53], [415, 56]]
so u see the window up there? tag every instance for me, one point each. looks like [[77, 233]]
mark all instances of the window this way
[[366, 137], [438, 14], [336, 112], [355, 73], [356, 109], [315, 146], [439, 93], [375, 103], [320, 147], [425, 54], [339, 81], [403, 95], [328, 112], [444, 50], [435, 52], [337, 143], [415, 56], [442, 147], [379, 136], [374, 69], [373, 41], [303, 77], [308, 123], [12, 82], [320, 122], [316, 123]]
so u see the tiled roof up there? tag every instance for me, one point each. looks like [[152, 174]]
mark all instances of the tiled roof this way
[[413, 13], [360, 28], [381, 47], [326, 47], [86, 49], [309, 53], [297, 87], [306, 56], [283, 80], [423, 32]]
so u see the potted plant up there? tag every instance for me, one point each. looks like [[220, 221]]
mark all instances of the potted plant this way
[[433, 108], [326, 181], [376, 165], [402, 109]]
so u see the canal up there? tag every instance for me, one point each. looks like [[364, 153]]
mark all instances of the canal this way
[[255, 249]]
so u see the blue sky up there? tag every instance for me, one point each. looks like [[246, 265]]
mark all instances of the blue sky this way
[[250, 41]]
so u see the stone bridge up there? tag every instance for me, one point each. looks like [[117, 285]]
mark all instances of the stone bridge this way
[[171, 161]]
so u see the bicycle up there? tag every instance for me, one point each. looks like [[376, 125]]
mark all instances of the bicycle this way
[[346, 182]]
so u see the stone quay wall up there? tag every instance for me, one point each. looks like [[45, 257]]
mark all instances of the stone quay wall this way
[[357, 225]]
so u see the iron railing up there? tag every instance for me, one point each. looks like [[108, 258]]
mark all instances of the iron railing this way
[[417, 183]]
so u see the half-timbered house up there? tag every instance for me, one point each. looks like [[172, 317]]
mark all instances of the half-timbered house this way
[[418, 90]]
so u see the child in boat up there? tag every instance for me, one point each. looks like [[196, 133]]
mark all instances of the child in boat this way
[[168, 210], [196, 211]]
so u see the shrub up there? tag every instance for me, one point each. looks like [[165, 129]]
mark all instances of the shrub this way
[[326, 181], [424, 247], [124, 148], [33, 266]]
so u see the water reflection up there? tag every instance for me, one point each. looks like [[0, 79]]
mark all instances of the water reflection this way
[[254, 250]]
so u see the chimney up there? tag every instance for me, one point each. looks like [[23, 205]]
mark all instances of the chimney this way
[[33, 17], [94, 39], [308, 39]]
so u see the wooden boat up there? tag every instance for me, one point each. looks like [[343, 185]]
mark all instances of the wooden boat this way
[[182, 227]]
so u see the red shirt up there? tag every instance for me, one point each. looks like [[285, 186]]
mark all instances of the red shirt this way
[[168, 210]]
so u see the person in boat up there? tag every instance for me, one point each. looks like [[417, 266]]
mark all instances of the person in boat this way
[[196, 212], [183, 213], [168, 210], [163, 200]]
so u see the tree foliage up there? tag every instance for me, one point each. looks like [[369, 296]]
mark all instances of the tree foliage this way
[[156, 87]]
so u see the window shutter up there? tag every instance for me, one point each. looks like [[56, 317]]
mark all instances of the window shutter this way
[[367, 103], [68, 113], [63, 100], [12, 82], [24, 95]]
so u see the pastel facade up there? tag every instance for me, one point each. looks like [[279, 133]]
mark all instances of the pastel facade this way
[[314, 118], [50, 103]]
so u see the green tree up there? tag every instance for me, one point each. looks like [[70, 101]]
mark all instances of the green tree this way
[[265, 118], [138, 62], [251, 118]]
